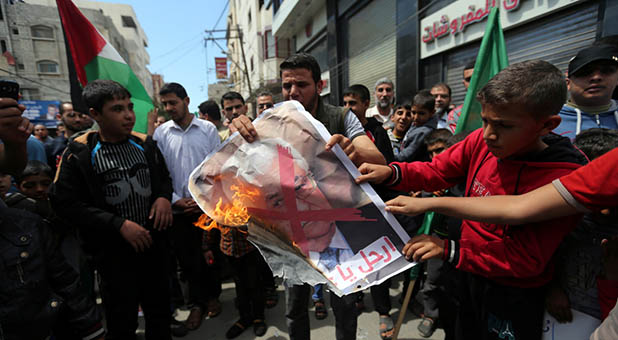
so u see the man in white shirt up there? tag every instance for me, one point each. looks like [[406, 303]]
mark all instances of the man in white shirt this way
[[383, 110], [184, 142]]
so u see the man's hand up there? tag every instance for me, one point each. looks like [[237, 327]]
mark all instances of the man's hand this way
[[209, 257], [423, 248], [13, 127], [345, 143], [162, 212], [245, 127], [374, 173], [188, 205], [558, 305], [138, 237], [406, 205]]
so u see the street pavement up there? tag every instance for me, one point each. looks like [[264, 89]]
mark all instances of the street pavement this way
[[215, 328]]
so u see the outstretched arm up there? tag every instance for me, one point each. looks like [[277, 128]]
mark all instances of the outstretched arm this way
[[541, 204]]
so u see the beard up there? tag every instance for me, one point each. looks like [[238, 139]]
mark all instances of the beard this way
[[384, 103]]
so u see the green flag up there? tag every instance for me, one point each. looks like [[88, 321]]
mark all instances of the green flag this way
[[92, 57], [491, 59]]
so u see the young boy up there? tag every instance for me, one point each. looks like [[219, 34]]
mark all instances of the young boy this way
[[114, 185], [356, 98], [402, 118], [423, 122], [33, 185], [506, 266]]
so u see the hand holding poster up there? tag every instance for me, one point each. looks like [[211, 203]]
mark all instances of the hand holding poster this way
[[303, 210]]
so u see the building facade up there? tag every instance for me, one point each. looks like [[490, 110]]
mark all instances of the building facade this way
[[262, 51], [417, 44], [31, 33]]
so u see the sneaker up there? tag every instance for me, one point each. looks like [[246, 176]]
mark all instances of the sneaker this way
[[427, 327], [178, 329], [259, 327]]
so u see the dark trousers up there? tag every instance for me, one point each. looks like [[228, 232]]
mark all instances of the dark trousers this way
[[490, 311], [297, 313], [203, 281], [432, 292], [249, 285], [381, 297], [266, 274], [129, 279]]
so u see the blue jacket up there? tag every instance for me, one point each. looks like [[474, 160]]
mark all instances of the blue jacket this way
[[412, 144], [574, 120]]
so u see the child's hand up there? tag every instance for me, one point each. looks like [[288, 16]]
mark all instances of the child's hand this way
[[558, 305], [374, 173], [423, 248], [162, 212], [439, 193], [138, 237], [406, 205], [188, 205], [610, 258]]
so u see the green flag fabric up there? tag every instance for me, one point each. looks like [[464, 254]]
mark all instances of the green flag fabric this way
[[491, 59], [93, 57]]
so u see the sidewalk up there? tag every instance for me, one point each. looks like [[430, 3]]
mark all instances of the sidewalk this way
[[320, 329]]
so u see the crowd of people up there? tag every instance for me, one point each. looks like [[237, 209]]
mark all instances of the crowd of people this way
[[103, 206]]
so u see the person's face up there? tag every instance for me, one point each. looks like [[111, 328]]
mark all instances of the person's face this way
[[297, 84], [435, 149], [443, 99], [73, 120], [264, 103], [116, 119], [384, 95], [356, 105], [176, 107], [35, 186], [234, 108], [40, 131], [308, 197], [5, 184], [402, 118], [420, 115], [160, 120], [510, 131], [467, 76], [593, 84]]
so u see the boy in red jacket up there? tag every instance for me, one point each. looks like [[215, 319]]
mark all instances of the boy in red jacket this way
[[505, 268]]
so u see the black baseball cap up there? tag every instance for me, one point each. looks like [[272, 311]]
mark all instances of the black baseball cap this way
[[591, 54]]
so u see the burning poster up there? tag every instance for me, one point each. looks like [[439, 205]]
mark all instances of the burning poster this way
[[300, 205]]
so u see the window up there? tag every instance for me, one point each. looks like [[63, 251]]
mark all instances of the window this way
[[260, 4], [30, 94], [252, 63], [128, 21], [42, 32], [47, 66], [249, 17], [269, 45], [3, 45], [15, 31], [21, 66]]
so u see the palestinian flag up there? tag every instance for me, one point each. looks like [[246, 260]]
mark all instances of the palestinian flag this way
[[92, 57]]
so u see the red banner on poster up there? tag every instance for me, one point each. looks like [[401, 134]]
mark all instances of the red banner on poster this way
[[221, 67]]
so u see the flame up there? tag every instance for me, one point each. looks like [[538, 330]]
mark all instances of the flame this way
[[234, 214]]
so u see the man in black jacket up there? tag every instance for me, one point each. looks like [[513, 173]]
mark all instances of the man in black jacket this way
[[113, 184]]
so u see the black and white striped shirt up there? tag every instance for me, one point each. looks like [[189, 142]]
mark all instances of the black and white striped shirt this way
[[123, 170]]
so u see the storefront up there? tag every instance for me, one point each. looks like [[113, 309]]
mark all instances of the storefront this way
[[549, 30]]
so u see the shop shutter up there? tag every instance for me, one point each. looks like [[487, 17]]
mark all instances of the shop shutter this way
[[555, 38], [372, 44]]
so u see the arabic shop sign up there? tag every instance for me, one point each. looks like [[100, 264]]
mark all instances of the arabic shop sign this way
[[461, 22]]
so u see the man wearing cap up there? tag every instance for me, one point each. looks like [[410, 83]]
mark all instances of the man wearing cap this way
[[384, 92], [591, 80]]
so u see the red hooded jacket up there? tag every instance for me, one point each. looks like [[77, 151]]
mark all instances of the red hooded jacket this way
[[516, 256]]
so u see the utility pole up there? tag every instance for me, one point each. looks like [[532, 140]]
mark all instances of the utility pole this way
[[244, 59], [242, 49]]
